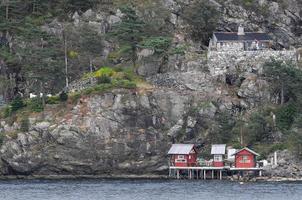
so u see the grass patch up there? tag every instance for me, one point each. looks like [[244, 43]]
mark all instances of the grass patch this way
[[108, 79]]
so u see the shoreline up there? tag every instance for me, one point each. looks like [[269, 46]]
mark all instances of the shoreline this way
[[137, 177]]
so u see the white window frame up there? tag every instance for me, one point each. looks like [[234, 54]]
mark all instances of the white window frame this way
[[245, 159], [181, 159], [217, 158]]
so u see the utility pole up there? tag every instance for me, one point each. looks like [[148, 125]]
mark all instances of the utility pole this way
[[66, 60], [241, 127]]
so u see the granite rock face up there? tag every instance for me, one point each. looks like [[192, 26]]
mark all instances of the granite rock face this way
[[288, 166], [130, 131], [118, 132]]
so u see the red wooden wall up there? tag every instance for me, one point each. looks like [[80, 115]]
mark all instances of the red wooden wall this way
[[245, 159], [188, 160]]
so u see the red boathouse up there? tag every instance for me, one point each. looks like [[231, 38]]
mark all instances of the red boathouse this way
[[218, 151], [183, 155], [245, 158]]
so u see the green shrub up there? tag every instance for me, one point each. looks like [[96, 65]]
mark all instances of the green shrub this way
[[158, 44], [75, 97], [53, 100], [104, 71], [7, 111], [88, 91], [118, 69], [294, 140], [180, 50], [35, 105], [17, 104], [103, 79], [63, 96], [124, 84], [24, 127], [286, 116]]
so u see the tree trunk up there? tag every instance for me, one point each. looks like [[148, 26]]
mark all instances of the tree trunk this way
[[241, 136], [6, 11], [90, 69], [66, 60], [42, 97], [135, 68], [282, 94]]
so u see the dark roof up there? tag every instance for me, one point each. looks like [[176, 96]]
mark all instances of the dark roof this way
[[233, 36]]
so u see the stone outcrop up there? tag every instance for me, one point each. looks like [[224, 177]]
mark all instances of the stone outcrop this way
[[130, 131], [289, 166], [220, 63], [117, 132]]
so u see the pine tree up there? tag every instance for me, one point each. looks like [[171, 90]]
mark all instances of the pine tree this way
[[285, 79], [90, 44], [129, 32], [43, 61]]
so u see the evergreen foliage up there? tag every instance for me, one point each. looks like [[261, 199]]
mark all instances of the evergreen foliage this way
[[202, 17], [104, 79], [17, 104], [35, 105], [63, 96], [285, 79], [295, 138], [158, 44], [129, 32], [286, 116]]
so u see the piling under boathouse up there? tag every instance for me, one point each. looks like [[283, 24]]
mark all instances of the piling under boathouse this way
[[184, 163]]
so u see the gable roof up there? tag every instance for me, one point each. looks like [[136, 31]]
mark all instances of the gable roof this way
[[218, 149], [247, 149], [181, 149], [249, 36]]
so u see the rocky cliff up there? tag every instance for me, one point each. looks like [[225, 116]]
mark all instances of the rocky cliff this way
[[123, 131], [129, 131]]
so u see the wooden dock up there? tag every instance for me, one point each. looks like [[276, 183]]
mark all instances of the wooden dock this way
[[203, 172]]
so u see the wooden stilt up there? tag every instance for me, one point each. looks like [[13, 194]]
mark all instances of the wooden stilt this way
[[260, 173], [205, 174], [220, 174], [188, 174], [177, 172], [212, 174], [169, 172]]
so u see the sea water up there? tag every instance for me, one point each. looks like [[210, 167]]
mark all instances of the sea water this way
[[147, 190]]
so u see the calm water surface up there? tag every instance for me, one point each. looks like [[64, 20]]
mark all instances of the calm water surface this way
[[146, 190]]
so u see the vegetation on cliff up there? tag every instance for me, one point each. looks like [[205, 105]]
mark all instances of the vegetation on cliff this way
[[45, 46]]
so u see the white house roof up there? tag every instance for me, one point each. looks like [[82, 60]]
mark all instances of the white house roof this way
[[181, 149], [218, 149], [249, 150]]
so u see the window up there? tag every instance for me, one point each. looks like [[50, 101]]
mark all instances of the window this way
[[245, 159], [217, 158], [181, 159]]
